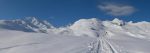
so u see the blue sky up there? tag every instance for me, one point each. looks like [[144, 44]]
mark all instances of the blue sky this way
[[63, 12]]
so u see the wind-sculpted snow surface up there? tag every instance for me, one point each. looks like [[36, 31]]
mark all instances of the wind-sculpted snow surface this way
[[22, 42], [84, 36]]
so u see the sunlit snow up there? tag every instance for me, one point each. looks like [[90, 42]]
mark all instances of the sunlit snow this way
[[84, 36]]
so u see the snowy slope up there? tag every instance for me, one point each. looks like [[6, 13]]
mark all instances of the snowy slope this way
[[88, 27], [22, 42], [128, 37], [83, 36]]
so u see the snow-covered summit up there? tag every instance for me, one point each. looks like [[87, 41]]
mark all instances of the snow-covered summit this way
[[117, 22], [29, 24], [84, 27], [87, 27]]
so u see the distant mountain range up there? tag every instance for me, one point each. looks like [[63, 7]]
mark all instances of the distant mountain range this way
[[83, 27], [28, 24]]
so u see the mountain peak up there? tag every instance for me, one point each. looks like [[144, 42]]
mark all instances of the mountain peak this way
[[117, 22], [28, 24], [88, 27]]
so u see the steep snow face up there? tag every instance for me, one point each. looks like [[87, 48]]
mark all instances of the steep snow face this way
[[115, 25], [116, 21], [87, 27], [110, 25], [29, 24]]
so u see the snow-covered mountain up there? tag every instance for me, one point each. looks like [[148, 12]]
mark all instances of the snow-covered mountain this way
[[28, 24], [88, 27], [84, 27], [83, 36]]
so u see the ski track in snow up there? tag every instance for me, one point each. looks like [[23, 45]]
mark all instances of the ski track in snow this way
[[102, 46], [128, 38]]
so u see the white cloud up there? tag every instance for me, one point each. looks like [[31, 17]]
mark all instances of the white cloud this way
[[117, 9]]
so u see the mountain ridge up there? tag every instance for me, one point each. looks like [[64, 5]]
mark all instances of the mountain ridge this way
[[83, 27], [29, 24], [83, 36]]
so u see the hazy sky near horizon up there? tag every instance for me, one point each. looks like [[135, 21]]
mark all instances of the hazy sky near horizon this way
[[62, 12]]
